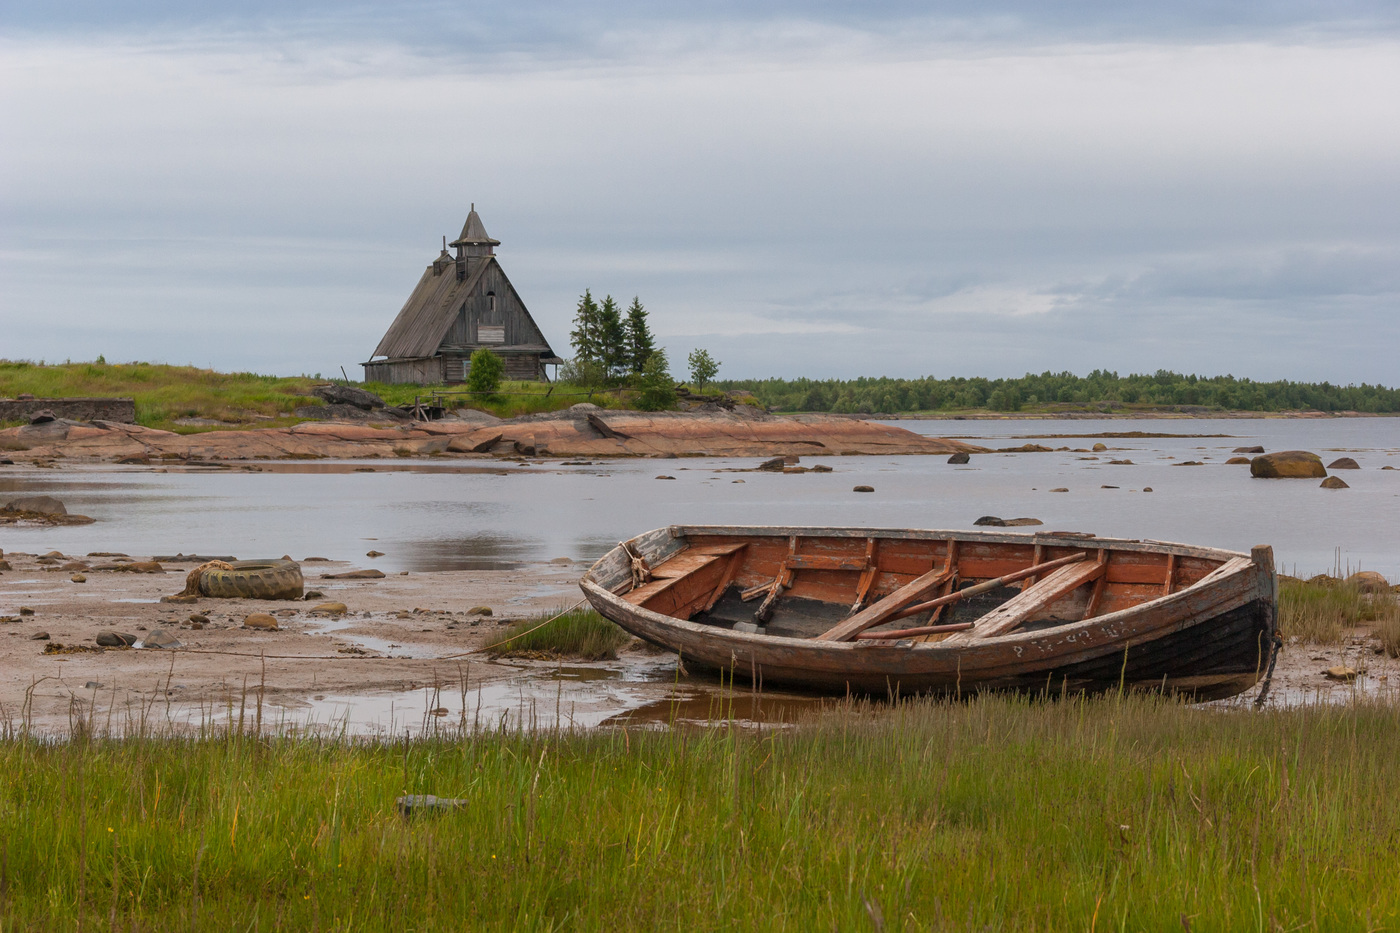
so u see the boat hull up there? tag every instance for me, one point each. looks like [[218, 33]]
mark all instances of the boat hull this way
[[1211, 639]]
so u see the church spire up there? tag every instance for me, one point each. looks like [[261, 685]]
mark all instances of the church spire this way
[[474, 240]]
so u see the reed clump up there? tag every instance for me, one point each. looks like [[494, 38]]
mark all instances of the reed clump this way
[[1323, 609], [996, 813], [579, 633]]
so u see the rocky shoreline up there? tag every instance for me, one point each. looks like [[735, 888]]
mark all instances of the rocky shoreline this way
[[581, 431]]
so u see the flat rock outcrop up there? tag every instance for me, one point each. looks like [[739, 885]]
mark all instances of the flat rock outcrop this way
[[1288, 464], [576, 432]]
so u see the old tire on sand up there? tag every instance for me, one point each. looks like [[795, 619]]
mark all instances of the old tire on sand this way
[[254, 579]]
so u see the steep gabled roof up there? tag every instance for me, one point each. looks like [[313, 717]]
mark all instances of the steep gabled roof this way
[[426, 316], [423, 322]]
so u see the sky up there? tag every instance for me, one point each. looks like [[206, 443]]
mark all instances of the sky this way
[[804, 189]]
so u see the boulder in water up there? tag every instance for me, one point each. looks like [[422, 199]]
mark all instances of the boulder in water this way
[[1288, 464], [1344, 463], [40, 505], [1333, 482]]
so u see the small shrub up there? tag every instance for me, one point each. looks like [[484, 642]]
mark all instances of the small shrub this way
[[658, 391], [703, 368], [486, 371], [579, 633]]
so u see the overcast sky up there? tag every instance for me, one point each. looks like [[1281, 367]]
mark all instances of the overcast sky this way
[[822, 189]]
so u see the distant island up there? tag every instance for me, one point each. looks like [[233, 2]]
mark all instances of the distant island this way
[[1050, 394]]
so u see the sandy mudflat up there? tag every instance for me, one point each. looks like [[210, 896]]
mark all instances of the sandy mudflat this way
[[308, 656]]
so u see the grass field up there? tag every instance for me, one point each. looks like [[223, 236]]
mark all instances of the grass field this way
[[166, 393], [994, 814]]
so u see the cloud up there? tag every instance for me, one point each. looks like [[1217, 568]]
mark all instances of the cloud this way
[[885, 189]]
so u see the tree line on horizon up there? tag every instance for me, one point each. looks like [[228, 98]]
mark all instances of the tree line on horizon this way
[[870, 395]]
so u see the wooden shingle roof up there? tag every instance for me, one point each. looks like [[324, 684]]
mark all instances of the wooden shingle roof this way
[[425, 317]]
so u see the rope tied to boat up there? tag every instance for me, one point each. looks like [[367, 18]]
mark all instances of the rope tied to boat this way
[[641, 573], [1274, 647]]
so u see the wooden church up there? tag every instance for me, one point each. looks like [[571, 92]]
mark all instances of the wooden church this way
[[461, 304]]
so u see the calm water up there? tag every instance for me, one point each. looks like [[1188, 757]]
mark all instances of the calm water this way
[[441, 519]]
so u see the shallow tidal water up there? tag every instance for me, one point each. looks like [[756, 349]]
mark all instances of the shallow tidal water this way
[[441, 515]]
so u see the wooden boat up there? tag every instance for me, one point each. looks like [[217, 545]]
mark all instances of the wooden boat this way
[[951, 612]]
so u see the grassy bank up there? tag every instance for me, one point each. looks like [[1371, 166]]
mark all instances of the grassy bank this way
[[165, 393], [998, 814], [162, 393]]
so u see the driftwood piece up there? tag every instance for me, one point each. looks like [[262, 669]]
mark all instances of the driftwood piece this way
[[601, 426], [753, 592]]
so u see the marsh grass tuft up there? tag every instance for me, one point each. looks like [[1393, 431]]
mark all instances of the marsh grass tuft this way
[[579, 633], [1321, 610]]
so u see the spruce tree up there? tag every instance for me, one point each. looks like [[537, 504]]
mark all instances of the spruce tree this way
[[585, 337], [612, 339], [640, 343], [658, 390]]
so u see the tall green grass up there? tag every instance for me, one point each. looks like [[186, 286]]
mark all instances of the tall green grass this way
[[998, 814], [576, 633], [162, 393], [165, 393], [1324, 609]]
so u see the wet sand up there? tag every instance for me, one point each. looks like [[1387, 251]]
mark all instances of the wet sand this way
[[400, 633]]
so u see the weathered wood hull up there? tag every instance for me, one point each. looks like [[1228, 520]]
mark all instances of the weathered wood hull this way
[[1210, 638]]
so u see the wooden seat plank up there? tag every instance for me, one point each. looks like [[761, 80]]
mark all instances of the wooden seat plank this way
[[641, 594], [683, 564], [886, 608], [1033, 599]]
